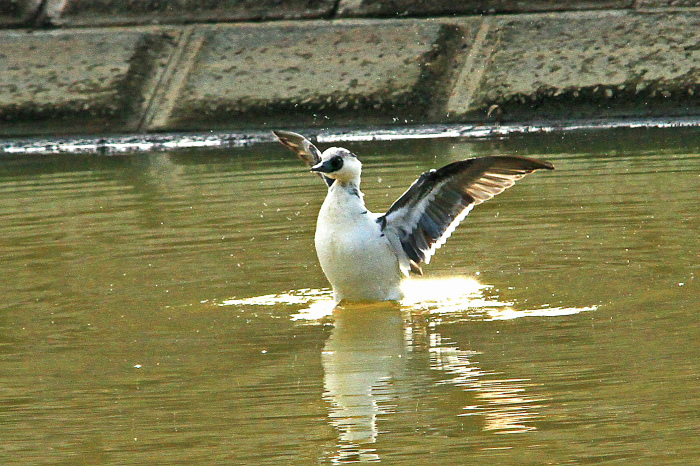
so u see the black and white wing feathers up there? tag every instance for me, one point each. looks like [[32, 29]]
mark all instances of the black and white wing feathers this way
[[306, 151], [422, 219]]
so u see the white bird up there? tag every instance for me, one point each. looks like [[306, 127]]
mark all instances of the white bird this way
[[365, 255]]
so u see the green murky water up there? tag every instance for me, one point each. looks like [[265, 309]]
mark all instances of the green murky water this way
[[168, 309]]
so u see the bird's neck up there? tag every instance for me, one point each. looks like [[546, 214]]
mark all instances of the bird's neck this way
[[351, 187], [344, 199]]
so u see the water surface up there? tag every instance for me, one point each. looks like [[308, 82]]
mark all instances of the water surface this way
[[168, 308]]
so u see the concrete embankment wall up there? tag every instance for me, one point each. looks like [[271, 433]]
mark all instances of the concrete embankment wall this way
[[108, 66]]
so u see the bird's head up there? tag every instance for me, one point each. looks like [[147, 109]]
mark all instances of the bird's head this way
[[339, 164]]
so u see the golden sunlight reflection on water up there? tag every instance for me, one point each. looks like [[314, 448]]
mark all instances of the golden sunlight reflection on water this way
[[366, 355], [450, 297]]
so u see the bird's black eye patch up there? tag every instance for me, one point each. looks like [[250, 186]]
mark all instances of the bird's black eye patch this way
[[336, 163]]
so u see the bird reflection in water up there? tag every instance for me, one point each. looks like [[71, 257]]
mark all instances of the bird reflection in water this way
[[371, 358], [363, 359]]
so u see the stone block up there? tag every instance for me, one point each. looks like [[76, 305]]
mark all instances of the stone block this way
[[356, 8], [77, 81], [666, 4], [119, 12], [312, 73], [585, 65], [16, 13]]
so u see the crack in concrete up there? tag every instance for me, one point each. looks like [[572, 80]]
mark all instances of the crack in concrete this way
[[467, 84], [172, 80]]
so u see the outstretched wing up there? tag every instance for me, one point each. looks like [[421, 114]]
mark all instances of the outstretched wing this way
[[422, 219], [303, 148]]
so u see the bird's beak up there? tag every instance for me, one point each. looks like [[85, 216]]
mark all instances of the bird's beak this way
[[322, 167]]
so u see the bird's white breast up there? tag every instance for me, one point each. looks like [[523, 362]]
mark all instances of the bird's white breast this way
[[356, 257]]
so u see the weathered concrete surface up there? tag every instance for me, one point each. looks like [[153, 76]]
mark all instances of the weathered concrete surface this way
[[583, 65], [545, 66], [120, 12], [375, 8], [14, 13], [305, 72], [134, 12], [87, 80], [666, 4]]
